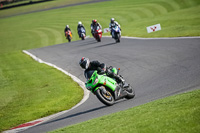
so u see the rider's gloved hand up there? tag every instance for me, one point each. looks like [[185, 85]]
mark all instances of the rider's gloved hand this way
[[101, 72], [108, 71]]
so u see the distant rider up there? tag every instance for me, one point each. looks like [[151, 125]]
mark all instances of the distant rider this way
[[112, 24], [100, 67], [92, 28], [80, 25], [94, 25], [67, 29]]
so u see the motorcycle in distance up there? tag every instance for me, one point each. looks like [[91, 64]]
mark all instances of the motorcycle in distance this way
[[116, 33], [82, 33], [68, 35], [98, 33], [107, 89]]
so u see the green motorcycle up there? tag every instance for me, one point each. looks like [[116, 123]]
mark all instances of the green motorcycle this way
[[107, 89]]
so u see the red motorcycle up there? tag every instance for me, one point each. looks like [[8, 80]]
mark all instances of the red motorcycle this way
[[68, 35], [98, 33]]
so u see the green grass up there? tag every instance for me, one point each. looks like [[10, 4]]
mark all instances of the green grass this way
[[175, 114], [38, 6], [22, 79], [30, 90]]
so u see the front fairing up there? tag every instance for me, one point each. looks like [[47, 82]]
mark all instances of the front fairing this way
[[98, 30], [68, 33], [116, 29], [98, 80], [82, 30], [90, 84]]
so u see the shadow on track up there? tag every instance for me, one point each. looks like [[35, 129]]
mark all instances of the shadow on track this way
[[105, 45], [88, 43], [74, 115]]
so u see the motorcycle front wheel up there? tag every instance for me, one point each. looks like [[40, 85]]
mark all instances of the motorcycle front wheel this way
[[98, 39], [130, 92], [69, 39], [83, 36], [118, 38], [105, 96]]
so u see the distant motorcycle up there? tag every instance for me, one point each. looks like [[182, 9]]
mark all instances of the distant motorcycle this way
[[82, 33], [68, 35], [116, 33], [98, 33], [107, 89]]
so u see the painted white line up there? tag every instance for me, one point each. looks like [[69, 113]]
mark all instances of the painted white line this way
[[41, 120], [140, 38]]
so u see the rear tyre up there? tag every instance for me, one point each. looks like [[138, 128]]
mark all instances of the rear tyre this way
[[130, 92], [104, 96]]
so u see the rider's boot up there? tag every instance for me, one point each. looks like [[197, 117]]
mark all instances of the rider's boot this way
[[120, 93]]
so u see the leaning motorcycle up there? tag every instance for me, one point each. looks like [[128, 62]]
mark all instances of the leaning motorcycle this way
[[98, 33], [82, 33], [116, 33], [107, 89], [68, 35]]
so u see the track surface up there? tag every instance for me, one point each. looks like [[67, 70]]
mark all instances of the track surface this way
[[156, 68]]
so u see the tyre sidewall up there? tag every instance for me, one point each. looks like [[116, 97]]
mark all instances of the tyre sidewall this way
[[130, 94], [98, 93]]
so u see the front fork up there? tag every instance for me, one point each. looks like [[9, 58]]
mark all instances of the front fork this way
[[114, 36], [119, 93]]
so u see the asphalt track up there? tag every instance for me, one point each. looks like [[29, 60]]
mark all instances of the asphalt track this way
[[156, 68]]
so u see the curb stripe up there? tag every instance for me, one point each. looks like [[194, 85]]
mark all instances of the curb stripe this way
[[27, 124]]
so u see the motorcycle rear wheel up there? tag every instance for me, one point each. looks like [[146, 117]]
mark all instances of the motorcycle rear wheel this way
[[105, 96]]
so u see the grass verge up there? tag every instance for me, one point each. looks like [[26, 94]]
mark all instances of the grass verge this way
[[30, 90], [22, 79], [175, 114], [37, 6]]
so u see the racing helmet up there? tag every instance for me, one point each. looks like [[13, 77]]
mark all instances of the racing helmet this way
[[79, 23], [112, 20], [84, 63], [67, 26], [94, 21]]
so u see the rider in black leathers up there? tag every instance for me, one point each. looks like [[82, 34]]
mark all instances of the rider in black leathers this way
[[67, 29], [112, 24], [100, 67], [80, 25], [94, 25]]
